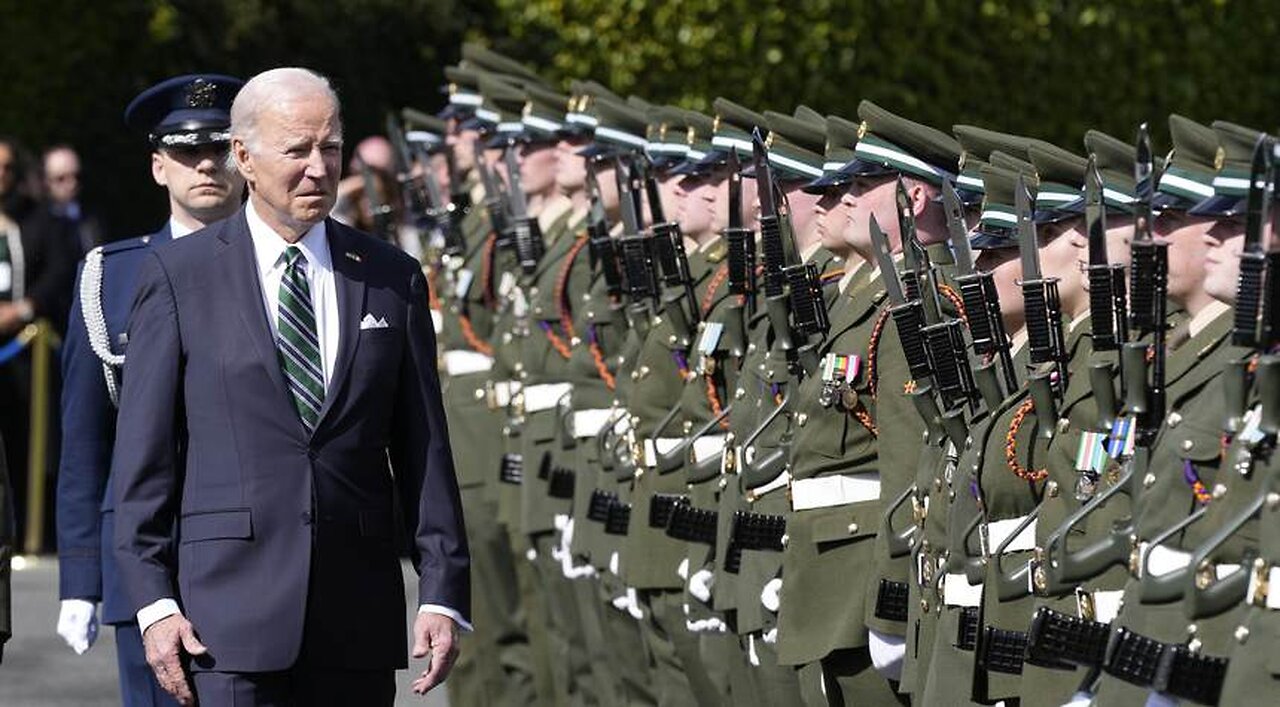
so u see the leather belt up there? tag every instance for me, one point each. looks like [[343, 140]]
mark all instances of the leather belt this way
[[460, 362], [759, 531], [834, 490], [544, 396]]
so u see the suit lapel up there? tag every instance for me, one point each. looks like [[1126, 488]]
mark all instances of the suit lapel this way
[[235, 252], [349, 282]]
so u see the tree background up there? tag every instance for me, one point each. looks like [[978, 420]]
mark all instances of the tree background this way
[[1047, 68]]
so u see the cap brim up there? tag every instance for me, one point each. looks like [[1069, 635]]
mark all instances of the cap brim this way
[[1219, 205], [1164, 201], [988, 240], [829, 180], [690, 168], [862, 168], [969, 197], [453, 110]]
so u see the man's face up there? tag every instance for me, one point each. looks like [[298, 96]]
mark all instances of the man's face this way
[[1188, 247], [571, 170], [696, 206], [669, 194], [1224, 243], [751, 195], [1059, 258], [804, 214], [867, 197], [62, 175], [199, 181], [830, 214], [294, 168], [537, 167], [464, 148], [8, 168], [607, 179]]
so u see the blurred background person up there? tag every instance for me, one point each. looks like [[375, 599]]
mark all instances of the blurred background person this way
[[63, 187]]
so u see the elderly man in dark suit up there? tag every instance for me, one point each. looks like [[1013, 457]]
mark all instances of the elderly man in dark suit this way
[[280, 422]]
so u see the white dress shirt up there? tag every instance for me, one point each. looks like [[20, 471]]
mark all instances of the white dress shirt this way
[[268, 248]]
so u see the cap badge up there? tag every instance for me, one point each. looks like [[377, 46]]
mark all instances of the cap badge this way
[[691, 136], [768, 140], [715, 125], [1219, 158], [527, 110], [201, 94], [862, 129]]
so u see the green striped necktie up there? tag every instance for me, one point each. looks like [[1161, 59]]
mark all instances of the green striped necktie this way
[[297, 340]]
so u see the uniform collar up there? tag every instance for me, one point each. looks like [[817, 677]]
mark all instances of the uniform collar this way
[[1206, 316], [177, 230]]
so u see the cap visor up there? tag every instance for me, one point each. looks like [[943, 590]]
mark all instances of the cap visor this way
[[838, 178], [986, 240], [1220, 205]]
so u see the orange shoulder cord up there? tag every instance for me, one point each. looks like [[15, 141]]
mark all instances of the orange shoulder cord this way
[[873, 346], [1011, 446], [566, 316], [597, 355], [956, 301], [708, 301], [486, 277]]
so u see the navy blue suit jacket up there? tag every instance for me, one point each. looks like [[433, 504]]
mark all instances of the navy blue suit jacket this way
[[85, 511], [225, 502]]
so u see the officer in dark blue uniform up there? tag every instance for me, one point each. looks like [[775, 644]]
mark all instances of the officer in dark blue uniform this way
[[186, 119]]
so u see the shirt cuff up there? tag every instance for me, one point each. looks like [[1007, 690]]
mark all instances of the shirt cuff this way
[[446, 611], [153, 612]]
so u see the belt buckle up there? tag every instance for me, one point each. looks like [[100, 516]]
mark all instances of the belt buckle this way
[[1261, 582], [1135, 560], [1039, 578]]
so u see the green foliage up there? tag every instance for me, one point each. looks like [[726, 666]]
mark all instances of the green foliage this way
[[1049, 68]]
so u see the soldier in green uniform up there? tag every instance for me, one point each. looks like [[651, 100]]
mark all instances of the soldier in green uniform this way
[[1181, 464]]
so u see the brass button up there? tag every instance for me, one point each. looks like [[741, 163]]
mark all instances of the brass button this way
[[672, 339], [1063, 424], [1174, 418], [801, 419], [1272, 500], [1187, 445], [1148, 481], [737, 394], [1219, 490], [479, 394], [786, 539], [853, 528], [1051, 488], [1242, 634]]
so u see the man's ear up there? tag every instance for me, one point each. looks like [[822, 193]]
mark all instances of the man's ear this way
[[240, 152], [157, 169], [921, 196]]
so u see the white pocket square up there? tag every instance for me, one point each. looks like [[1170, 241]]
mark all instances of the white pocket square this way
[[370, 322]]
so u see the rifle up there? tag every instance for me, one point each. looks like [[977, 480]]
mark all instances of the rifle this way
[[793, 290], [1107, 303], [1045, 342], [601, 248], [384, 226], [981, 306], [948, 364], [637, 256], [908, 314], [679, 302], [526, 234], [494, 199], [1148, 285], [1249, 323], [428, 212], [741, 244]]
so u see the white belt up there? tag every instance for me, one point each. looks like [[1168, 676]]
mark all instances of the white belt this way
[[1160, 560], [545, 396], [661, 445], [707, 447], [1106, 605], [1272, 588], [778, 482], [588, 423], [836, 490], [999, 531], [460, 362], [956, 591]]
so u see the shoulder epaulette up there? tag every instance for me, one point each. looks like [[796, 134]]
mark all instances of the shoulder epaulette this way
[[124, 245]]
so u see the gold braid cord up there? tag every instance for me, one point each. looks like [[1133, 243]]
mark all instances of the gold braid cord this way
[[1011, 446]]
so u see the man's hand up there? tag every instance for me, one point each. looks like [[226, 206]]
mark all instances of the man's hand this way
[[78, 624], [165, 642], [434, 635]]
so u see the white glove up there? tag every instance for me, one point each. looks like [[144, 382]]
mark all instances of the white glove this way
[[531, 555], [700, 585], [683, 570], [613, 563], [633, 605], [1159, 699], [78, 624], [887, 653], [560, 520], [770, 636], [769, 595], [1080, 699]]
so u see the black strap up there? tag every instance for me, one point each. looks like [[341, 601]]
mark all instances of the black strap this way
[[1057, 640], [967, 628], [891, 600], [1001, 650], [598, 508], [1133, 657], [695, 525], [1191, 676], [661, 507], [560, 482]]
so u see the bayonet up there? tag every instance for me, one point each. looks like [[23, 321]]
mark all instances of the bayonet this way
[[884, 260], [637, 255], [1253, 258], [1043, 310], [526, 233], [516, 200], [956, 228], [1107, 301], [907, 314]]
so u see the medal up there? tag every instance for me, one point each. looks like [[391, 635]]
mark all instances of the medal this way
[[849, 398]]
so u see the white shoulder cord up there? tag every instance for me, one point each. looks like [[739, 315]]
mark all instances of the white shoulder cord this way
[[95, 322]]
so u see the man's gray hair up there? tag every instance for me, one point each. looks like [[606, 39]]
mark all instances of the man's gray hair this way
[[273, 87]]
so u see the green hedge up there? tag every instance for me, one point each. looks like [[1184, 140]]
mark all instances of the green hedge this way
[[1047, 68]]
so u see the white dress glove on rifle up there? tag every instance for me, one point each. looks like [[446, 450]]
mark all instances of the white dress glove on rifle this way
[[700, 585], [78, 624]]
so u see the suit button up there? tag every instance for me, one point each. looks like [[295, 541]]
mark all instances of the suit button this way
[[306, 517]]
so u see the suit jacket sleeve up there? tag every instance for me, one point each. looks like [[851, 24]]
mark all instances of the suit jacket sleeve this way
[[423, 464], [145, 468], [87, 433]]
